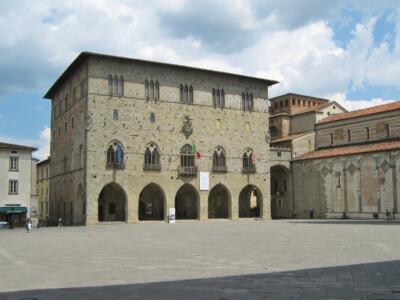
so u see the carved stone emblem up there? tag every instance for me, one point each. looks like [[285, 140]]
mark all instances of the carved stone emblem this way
[[385, 166], [187, 129], [325, 171], [351, 169]]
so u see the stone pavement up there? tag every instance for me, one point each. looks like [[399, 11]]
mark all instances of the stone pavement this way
[[280, 259]]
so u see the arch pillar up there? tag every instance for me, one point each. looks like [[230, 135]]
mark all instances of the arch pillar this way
[[203, 206]]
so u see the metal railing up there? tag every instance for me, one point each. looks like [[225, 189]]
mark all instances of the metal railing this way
[[221, 169], [115, 165], [249, 169], [154, 167], [188, 171]]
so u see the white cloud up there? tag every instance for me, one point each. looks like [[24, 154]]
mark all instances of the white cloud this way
[[42, 143], [357, 104]]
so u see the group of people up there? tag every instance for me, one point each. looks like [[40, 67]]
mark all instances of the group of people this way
[[28, 224]]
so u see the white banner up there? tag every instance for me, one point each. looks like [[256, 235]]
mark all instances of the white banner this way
[[204, 181]]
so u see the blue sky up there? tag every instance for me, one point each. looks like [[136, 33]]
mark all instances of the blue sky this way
[[348, 51]]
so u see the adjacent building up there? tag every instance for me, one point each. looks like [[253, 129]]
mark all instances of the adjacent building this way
[[354, 170], [291, 124], [132, 140], [17, 184], [43, 179]]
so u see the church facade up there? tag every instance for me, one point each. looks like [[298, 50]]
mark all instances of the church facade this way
[[132, 139]]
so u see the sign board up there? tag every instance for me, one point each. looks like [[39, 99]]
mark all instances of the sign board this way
[[171, 215], [204, 181]]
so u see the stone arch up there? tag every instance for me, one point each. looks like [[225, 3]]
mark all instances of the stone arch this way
[[152, 203], [112, 203], [250, 202], [187, 202], [281, 198], [219, 202], [352, 169], [386, 183]]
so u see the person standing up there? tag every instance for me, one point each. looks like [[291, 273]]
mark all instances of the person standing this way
[[60, 222], [28, 225]]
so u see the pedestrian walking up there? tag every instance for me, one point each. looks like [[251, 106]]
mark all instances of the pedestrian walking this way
[[60, 222], [388, 216], [28, 225]]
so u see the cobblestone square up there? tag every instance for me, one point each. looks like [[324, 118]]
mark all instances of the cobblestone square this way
[[279, 259]]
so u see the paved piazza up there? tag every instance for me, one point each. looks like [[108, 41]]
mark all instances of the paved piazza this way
[[280, 259]]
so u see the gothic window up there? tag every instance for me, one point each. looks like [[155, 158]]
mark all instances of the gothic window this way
[[110, 85], [151, 90], [66, 102], [115, 85], [247, 102], [249, 162], [219, 160], [115, 114], [218, 100], [152, 158], [146, 89], [349, 135], [121, 86], [214, 98], [387, 130], [190, 95], [187, 156], [186, 94], [115, 156], [181, 93], [367, 132], [331, 137], [156, 91]]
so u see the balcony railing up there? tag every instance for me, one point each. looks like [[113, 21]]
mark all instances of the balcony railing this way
[[220, 169], [115, 165], [249, 169], [188, 171], [152, 167]]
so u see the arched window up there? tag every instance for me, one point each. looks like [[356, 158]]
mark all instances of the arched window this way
[[151, 90], [190, 95], [249, 161], [115, 156], [157, 91], [251, 102], [181, 93], [121, 86], [219, 160], [115, 85], [146, 89], [214, 98], [187, 161], [185, 94], [222, 99], [152, 158], [243, 101], [110, 84], [218, 100]]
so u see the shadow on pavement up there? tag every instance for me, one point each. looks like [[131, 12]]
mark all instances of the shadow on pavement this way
[[348, 222], [364, 281]]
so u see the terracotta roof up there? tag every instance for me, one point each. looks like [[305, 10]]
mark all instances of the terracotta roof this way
[[84, 55], [350, 150], [362, 112], [317, 107], [290, 137], [13, 146]]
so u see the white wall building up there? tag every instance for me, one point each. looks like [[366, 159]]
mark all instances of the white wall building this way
[[17, 169]]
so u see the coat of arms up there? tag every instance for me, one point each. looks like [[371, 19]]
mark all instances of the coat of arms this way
[[187, 129]]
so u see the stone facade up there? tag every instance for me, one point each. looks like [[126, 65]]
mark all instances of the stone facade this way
[[42, 186], [84, 129], [17, 184], [354, 170]]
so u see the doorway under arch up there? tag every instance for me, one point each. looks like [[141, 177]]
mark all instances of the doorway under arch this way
[[112, 203], [219, 203], [151, 203], [250, 199], [187, 203], [281, 197]]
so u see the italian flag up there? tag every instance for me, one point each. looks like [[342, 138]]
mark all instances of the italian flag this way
[[194, 151]]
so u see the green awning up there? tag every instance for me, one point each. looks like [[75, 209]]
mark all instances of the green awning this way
[[13, 210]]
